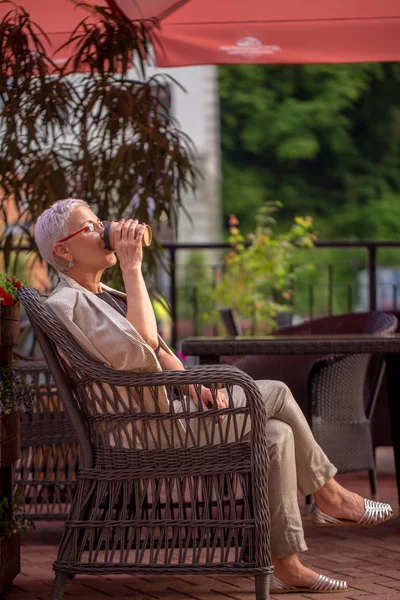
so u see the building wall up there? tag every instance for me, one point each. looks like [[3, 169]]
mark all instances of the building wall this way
[[197, 110]]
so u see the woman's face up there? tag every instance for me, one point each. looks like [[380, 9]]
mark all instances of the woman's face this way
[[85, 250]]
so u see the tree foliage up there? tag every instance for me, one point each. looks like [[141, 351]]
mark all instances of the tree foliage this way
[[101, 136], [320, 138]]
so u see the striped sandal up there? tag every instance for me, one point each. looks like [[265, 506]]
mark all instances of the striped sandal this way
[[323, 585], [374, 513]]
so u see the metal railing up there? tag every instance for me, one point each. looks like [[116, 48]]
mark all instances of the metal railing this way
[[371, 248]]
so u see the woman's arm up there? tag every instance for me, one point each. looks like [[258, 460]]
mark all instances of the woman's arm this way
[[169, 362], [140, 313]]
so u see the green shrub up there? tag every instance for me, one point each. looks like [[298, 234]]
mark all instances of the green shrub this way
[[259, 273]]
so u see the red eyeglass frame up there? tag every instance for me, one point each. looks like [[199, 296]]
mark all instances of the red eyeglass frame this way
[[80, 231]]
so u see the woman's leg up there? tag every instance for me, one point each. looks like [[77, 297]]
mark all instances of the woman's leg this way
[[287, 535], [312, 465], [314, 470]]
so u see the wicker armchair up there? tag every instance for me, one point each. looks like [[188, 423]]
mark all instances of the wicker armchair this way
[[47, 470], [158, 491], [337, 393]]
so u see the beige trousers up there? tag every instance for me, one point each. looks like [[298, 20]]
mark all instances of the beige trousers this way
[[297, 462]]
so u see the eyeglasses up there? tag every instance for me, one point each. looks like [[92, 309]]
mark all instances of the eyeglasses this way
[[91, 227]]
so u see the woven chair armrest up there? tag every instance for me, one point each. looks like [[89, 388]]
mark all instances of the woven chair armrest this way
[[202, 375], [207, 375]]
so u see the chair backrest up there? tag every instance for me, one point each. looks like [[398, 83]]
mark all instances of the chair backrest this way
[[340, 378], [373, 322], [230, 321], [47, 327]]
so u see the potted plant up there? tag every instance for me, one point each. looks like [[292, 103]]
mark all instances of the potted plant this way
[[258, 272], [15, 396], [9, 313]]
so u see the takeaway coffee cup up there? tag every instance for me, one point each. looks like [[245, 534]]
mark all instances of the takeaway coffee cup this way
[[109, 235]]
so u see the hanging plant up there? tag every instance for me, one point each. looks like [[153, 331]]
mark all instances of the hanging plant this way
[[15, 393], [10, 522], [16, 396]]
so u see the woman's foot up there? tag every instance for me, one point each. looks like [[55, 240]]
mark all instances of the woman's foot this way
[[290, 572], [333, 500], [293, 573]]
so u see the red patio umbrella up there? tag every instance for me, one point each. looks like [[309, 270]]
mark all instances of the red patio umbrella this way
[[197, 32], [58, 18], [284, 31], [145, 9]]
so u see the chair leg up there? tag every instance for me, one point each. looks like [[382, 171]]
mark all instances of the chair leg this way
[[57, 592], [373, 482], [309, 499], [308, 504], [262, 586]]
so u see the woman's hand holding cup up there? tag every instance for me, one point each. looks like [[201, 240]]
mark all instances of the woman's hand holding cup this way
[[128, 243]]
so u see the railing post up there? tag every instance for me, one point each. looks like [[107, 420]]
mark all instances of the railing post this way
[[349, 298], [214, 275], [310, 301], [330, 290], [174, 316], [196, 311], [372, 276]]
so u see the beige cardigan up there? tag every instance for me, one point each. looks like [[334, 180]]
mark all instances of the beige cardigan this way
[[100, 330], [109, 338]]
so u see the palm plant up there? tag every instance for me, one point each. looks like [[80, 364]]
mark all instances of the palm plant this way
[[100, 135]]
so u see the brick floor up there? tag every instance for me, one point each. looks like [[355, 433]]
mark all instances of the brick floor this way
[[368, 558]]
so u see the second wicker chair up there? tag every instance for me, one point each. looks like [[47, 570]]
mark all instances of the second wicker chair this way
[[337, 393]]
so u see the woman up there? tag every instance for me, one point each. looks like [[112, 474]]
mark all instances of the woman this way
[[120, 330]]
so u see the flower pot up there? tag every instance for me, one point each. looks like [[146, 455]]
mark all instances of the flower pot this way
[[9, 325], [9, 439], [9, 560], [9, 446], [9, 453]]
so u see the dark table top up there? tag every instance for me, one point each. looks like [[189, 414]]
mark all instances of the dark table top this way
[[305, 344]]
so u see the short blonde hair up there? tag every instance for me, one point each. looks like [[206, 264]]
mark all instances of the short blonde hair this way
[[51, 226]]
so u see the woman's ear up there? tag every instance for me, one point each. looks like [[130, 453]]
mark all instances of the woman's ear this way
[[60, 250]]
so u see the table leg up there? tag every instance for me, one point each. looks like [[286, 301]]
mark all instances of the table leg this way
[[393, 384]]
